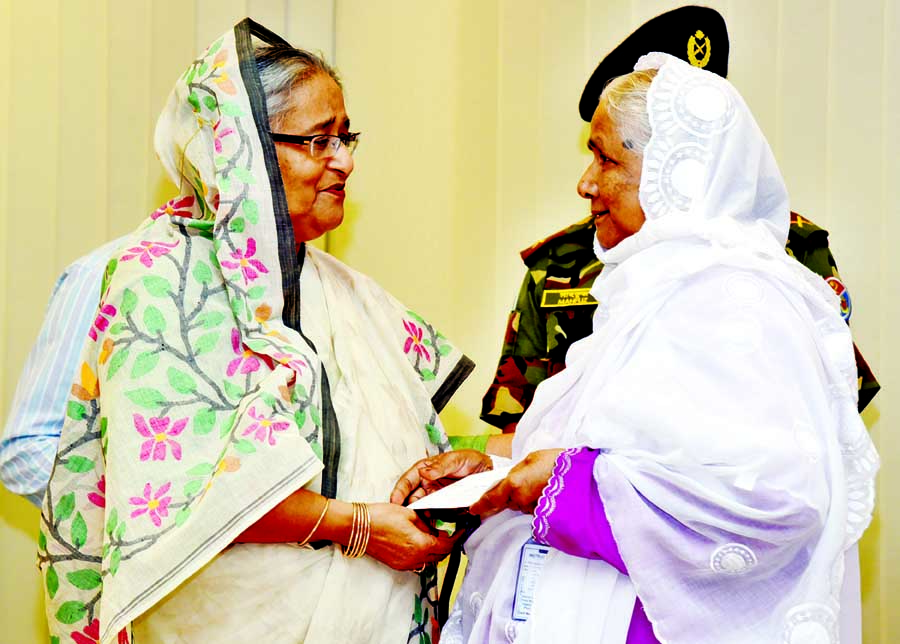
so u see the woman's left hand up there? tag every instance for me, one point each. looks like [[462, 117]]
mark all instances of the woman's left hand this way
[[521, 488]]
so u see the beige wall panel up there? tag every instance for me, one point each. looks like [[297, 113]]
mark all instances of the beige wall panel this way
[[30, 265], [802, 92], [5, 240], [83, 137], [213, 17], [131, 113], [271, 13], [311, 26]]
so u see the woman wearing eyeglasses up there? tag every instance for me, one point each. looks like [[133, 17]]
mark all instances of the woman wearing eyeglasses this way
[[246, 401]]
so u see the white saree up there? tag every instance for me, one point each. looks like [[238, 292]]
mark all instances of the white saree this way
[[720, 384]]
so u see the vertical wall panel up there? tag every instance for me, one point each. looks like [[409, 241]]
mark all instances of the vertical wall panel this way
[[311, 27], [215, 16]]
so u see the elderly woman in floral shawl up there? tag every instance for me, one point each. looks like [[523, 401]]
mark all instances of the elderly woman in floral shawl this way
[[236, 383]]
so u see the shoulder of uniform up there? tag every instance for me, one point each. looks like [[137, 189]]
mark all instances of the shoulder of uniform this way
[[579, 234], [803, 228]]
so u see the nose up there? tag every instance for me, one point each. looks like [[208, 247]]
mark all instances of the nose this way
[[587, 185], [342, 161]]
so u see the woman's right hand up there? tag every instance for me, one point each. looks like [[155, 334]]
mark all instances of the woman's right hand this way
[[401, 540], [431, 474]]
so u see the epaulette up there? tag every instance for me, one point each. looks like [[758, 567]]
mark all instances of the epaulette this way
[[803, 227], [533, 252]]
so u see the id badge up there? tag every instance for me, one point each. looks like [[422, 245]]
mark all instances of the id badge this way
[[531, 562]]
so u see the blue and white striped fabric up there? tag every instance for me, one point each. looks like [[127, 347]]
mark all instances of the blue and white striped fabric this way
[[36, 417]]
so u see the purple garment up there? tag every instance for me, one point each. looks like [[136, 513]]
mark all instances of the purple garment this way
[[570, 517]]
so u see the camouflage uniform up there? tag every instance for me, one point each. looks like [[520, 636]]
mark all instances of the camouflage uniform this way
[[554, 309]]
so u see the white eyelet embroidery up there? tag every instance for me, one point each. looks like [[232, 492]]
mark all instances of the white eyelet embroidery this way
[[732, 559], [810, 624], [546, 505], [476, 601]]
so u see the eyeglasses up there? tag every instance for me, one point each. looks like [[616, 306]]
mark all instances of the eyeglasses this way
[[321, 146]]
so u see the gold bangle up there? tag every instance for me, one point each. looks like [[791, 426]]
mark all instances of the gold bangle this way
[[318, 523], [360, 532]]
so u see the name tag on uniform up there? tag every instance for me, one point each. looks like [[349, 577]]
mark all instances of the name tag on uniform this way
[[531, 562], [556, 298]]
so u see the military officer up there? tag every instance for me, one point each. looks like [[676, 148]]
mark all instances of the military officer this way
[[554, 307]]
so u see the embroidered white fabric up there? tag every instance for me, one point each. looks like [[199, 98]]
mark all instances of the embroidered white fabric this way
[[546, 504], [720, 381]]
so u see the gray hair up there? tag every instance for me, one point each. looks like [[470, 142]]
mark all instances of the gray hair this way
[[281, 68], [626, 100]]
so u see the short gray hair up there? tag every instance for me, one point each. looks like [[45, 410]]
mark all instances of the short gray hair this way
[[281, 68], [626, 100]]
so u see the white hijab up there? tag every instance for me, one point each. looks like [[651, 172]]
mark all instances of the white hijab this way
[[720, 383]]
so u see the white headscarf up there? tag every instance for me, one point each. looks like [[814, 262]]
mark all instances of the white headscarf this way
[[720, 382]]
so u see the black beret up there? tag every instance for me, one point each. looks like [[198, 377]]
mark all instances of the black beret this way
[[695, 34]]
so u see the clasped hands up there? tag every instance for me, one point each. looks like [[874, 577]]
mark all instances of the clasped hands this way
[[519, 490]]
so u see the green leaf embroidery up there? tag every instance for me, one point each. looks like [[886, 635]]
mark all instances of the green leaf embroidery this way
[[115, 363], [434, 434], [232, 390], [42, 541], [194, 101], [210, 102], [236, 225], [445, 349], [144, 363], [237, 307], [225, 183], [192, 487], [157, 286], [267, 398], [120, 530], [203, 469], [54, 639], [114, 560], [213, 48], [146, 397], [71, 612], [79, 531], [244, 446], [202, 272], [86, 579], [213, 259], [79, 464], [204, 421], [117, 328], [415, 316], [181, 382], [154, 320], [104, 425], [206, 342], [314, 414], [300, 418], [75, 410], [251, 210], [231, 109], [317, 449], [211, 319], [417, 612], [256, 292], [52, 582], [112, 521], [427, 375], [204, 67], [182, 516], [227, 425], [65, 507], [129, 302], [244, 175]]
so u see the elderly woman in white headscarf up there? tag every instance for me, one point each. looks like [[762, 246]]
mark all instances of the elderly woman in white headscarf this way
[[699, 473]]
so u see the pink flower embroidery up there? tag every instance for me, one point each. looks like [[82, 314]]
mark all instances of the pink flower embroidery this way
[[90, 634], [263, 428], [294, 363], [101, 322], [147, 251], [159, 435], [246, 264], [246, 360], [220, 134], [177, 207], [156, 505], [414, 341], [99, 499]]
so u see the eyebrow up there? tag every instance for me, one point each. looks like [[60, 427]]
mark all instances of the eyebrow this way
[[327, 123]]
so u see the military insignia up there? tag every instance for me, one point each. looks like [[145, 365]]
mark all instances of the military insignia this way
[[838, 287], [699, 49], [559, 298]]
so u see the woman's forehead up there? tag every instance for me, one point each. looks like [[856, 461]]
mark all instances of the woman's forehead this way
[[317, 104]]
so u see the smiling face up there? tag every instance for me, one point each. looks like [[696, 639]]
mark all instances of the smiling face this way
[[314, 187], [612, 181]]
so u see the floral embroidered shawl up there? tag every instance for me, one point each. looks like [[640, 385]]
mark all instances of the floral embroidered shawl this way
[[201, 403]]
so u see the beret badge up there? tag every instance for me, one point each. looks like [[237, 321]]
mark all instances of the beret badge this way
[[699, 49]]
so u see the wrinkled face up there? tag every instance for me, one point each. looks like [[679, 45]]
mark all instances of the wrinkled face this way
[[314, 187], [612, 181]]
